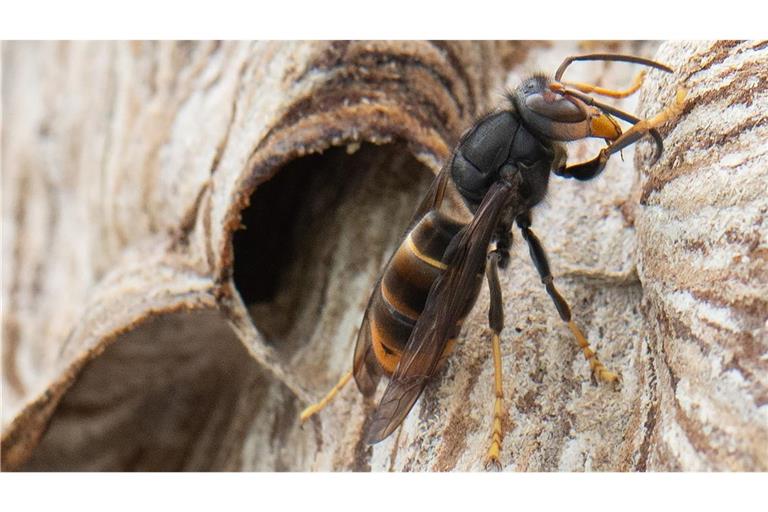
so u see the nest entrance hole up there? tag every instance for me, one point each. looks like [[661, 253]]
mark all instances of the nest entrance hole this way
[[317, 234]]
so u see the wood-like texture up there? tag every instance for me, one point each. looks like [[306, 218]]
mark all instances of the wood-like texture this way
[[143, 329], [702, 235]]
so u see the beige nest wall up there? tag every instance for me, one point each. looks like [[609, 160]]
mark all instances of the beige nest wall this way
[[190, 232]]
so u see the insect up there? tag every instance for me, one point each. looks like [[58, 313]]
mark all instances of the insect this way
[[498, 172]]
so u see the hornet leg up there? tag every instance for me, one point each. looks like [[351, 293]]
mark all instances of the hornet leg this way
[[539, 257], [641, 127], [496, 322], [318, 406]]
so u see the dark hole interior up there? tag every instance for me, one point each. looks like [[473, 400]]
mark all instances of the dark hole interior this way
[[266, 246], [319, 229]]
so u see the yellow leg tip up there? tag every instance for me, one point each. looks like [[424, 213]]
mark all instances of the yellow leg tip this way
[[317, 407], [307, 413], [606, 376], [492, 458]]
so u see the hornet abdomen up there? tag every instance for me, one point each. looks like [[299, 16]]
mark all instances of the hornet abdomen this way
[[403, 289]]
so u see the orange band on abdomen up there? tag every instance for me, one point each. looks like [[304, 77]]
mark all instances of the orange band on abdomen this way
[[386, 356]]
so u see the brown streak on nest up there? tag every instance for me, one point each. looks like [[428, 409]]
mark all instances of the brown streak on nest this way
[[664, 324], [718, 53], [673, 327], [355, 59], [10, 348], [694, 431], [651, 418], [331, 57], [336, 94], [222, 145], [628, 210], [662, 458], [355, 75], [759, 392], [691, 427], [454, 441], [364, 451], [11, 329], [731, 92], [395, 450], [181, 234], [724, 141], [751, 308], [459, 68], [751, 240], [754, 307]]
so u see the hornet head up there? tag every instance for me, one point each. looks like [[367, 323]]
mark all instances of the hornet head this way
[[559, 116]]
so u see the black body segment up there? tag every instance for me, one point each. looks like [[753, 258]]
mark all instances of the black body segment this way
[[487, 145], [500, 145]]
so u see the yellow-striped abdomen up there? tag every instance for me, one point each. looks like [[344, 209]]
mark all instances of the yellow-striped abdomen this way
[[405, 284]]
